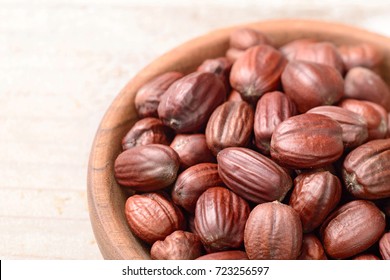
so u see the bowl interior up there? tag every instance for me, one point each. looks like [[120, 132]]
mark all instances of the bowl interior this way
[[106, 199]]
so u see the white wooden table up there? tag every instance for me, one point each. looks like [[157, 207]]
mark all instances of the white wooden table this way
[[61, 64]]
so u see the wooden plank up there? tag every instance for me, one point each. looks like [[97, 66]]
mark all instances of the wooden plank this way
[[42, 176], [44, 204], [43, 238]]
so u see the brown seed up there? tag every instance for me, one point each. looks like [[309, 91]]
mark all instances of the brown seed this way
[[324, 53], [354, 126], [152, 216], [192, 182], [364, 84], [311, 84], [244, 38], [253, 176], [314, 196], [271, 109], [179, 245], [291, 48], [220, 217], [147, 131], [273, 232], [219, 66], [147, 168], [366, 170], [312, 248], [374, 114], [148, 96], [192, 149], [257, 71], [352, 228], [230, 125], [384, 246], [307, 141], [188, 103], [362, 54]]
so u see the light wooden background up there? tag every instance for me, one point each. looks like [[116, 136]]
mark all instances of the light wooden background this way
[[61, 64]]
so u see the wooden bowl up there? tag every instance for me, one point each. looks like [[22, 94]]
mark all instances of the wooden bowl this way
[[106, 199]]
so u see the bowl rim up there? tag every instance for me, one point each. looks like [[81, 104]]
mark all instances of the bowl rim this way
[[112, 234]]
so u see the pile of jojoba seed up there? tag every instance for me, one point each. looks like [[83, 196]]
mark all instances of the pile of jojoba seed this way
[[266, 153]]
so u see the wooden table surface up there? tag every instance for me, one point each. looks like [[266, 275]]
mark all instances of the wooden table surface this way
[[61, 64]]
